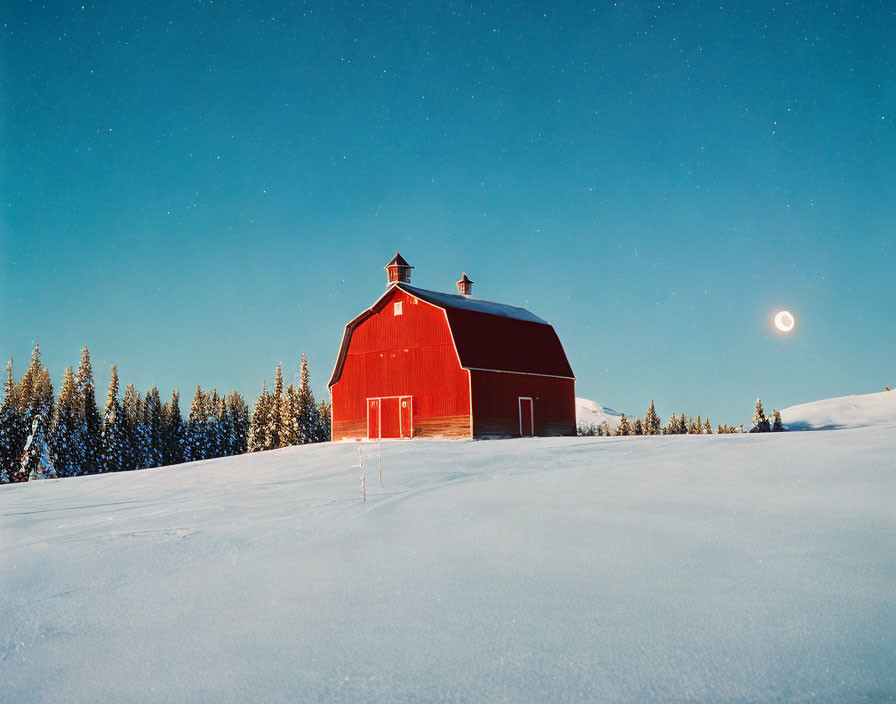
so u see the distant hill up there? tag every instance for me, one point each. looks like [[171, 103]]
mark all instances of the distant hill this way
[[591, 413], [842, 412]]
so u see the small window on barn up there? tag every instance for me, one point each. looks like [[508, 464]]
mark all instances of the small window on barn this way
[[397, 308]]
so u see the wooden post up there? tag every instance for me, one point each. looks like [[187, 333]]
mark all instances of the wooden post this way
[[379, 457], [363, 477]]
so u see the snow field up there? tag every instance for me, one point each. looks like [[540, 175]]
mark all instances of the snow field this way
[[745, 568], [843, 412]]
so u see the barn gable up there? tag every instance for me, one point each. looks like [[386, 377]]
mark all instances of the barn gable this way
[[487, 336]]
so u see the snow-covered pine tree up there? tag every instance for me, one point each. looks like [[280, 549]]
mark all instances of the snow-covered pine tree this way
[[323, 421], [222, 426], [274, 434], [114, 434], [258, 439], [239, 423], [289, 414], [604, 429], [37, 413], [196, 446], [707, 427], [213, 425], [671, 425], [152, 422], [225, 428], [698, 426], [308, 413], [623, 428], [777, 425], [43, 467], [12, 428], [89, 427], [172, 431], [637, 427], [760, 422], [135, 439], [63, 454], [651, 421]]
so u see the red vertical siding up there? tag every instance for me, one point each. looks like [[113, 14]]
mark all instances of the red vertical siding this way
[[496, 403], [411, 354]]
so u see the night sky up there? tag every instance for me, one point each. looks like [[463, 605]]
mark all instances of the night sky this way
[[198, 193]]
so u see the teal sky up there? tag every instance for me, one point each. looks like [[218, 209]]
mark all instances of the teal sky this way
[[199, 192]]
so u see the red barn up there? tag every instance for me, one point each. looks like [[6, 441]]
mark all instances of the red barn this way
[[420, 363]]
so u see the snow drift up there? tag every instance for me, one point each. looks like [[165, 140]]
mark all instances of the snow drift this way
[[842, 412], [748, 568]]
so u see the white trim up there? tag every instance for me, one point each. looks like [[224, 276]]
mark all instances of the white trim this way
[[379, 417], [379, 400], [507, 371], [531, 414], [400, 428], [470, 387]]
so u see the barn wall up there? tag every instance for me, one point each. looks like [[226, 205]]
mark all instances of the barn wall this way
[[496, 403], [411, 354]]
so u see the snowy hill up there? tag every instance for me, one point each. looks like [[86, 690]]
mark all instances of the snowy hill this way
[[591, 413], [749, 568], [842, 412]]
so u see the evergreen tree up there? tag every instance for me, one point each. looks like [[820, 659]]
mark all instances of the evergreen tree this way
[[308, 418], [651, 421], [324, 409], [196, 446], [214, 440], [238, 413], [290, 416], [12, 428], [760, 422], [777, 425], [114, 435], [274, 433], [172, 431], [134, 449], [698, 426], [623, 428], [707, 427], [89, 416], [258, 439], [152, 424], [604, 429], [63, 453], [638, 427], [37, 413], [671, 426]]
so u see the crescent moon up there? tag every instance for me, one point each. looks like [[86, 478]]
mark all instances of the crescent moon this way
[[784, 321]]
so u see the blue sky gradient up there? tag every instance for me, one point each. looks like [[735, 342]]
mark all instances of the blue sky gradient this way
[[202, 192]]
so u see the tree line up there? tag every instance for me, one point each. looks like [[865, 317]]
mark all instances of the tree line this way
[[44, 436], [680, 425]]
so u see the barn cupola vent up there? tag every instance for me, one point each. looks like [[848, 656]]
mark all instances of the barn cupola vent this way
[[398, 270], [465, 286]]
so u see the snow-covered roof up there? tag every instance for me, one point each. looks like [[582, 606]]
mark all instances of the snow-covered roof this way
[[449, 300]]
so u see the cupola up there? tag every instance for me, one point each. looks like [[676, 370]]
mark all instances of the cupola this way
[[398, 270], [465, 286]]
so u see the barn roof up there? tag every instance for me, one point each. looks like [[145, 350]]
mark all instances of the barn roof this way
[[487, 336], [452, 300]]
